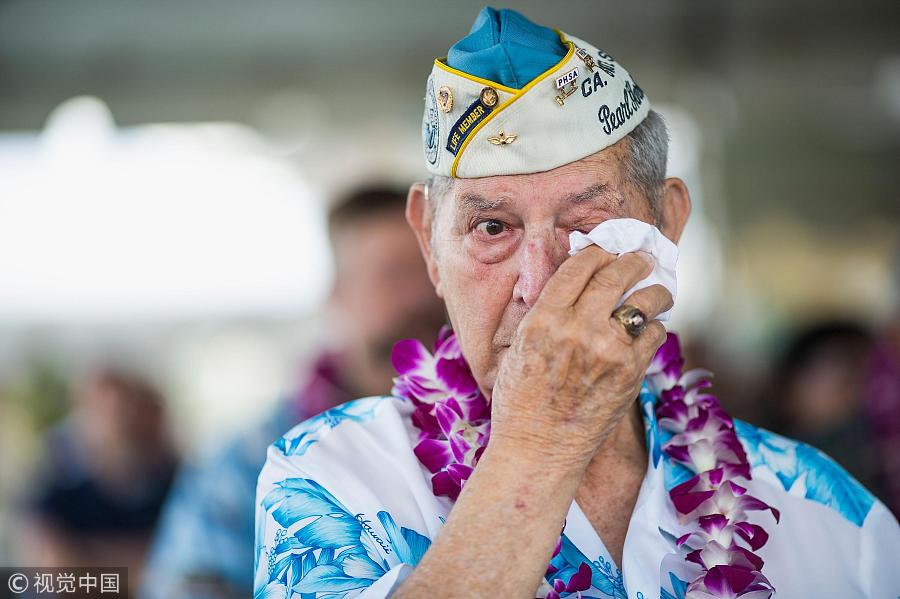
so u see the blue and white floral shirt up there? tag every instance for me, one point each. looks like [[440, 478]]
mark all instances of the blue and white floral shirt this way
[[344, 509]]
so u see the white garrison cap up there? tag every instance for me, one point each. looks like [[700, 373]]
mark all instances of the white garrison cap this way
[[514, 97]]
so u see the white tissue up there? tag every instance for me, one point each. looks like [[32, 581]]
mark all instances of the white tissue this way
[[621, 235]]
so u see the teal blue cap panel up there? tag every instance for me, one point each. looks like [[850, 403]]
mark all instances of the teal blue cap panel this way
[[505, 47]]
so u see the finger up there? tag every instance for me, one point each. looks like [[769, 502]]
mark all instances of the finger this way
[[650, 340], [652, 300], [607, 285], [568, 282]]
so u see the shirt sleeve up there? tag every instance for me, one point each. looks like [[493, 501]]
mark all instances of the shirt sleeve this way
[[309, 542]]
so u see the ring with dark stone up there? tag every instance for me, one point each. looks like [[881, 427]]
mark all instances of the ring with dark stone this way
[[632, 318]]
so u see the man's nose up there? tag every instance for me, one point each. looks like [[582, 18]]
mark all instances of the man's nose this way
[[539, 260]]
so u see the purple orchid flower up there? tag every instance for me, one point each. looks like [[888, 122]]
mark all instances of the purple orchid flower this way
[[730, 582], [579, 581], [698, 497], [717, 528], [706, 443]]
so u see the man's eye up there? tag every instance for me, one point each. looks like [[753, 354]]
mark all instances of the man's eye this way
[[490, 227]]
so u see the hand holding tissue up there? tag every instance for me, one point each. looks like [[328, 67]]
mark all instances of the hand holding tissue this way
[[622, 235]]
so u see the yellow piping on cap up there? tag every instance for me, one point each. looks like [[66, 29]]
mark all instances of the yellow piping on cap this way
[[438, 62], [516, 95]]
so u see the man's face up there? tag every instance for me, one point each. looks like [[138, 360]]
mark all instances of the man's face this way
[[382, 289], [497, 240]]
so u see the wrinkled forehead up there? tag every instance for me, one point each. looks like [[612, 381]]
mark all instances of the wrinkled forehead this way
[[596, 181]]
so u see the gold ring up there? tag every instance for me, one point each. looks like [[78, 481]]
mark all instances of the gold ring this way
[[632, 318]]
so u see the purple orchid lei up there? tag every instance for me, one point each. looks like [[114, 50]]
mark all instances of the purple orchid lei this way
[[453, 416], [454, 422]]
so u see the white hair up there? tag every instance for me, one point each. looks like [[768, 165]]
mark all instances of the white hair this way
[[648, 152]]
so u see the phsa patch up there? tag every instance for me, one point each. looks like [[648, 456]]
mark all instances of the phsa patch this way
[[566, 79]]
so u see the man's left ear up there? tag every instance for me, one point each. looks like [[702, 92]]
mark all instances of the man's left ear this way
[[674, 208]]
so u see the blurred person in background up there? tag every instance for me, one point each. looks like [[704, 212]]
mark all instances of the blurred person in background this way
[[104, 478], [381, 293], [817, 395], [883, 401]]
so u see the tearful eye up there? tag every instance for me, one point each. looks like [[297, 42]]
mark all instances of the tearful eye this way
[[490, 227]]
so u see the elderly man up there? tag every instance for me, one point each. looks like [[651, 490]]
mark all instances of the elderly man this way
[[609, 471]]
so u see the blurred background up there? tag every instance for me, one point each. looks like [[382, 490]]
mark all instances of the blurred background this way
[[171, 280]]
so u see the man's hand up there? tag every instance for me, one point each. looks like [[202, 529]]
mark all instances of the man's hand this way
[[569, 377], [573, 371]]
